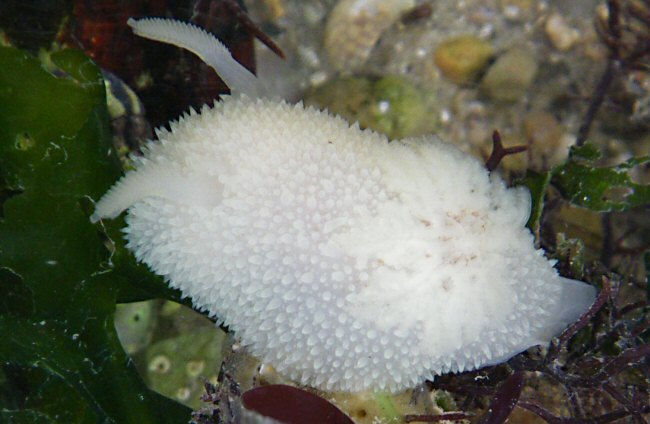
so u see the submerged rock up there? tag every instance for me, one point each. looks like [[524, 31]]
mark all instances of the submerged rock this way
[[461, 59], [509, 78]]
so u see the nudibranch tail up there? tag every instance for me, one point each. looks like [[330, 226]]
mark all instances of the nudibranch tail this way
[[204, 45], [575, 299]]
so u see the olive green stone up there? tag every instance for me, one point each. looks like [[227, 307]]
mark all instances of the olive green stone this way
[[390, 104], [508, 79], [461, 59]]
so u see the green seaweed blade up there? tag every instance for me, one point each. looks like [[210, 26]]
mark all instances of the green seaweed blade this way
[[58, 280]]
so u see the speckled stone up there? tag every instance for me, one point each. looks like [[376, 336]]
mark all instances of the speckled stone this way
[[508, 79]]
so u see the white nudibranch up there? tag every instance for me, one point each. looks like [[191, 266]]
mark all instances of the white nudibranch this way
[[346, 261]]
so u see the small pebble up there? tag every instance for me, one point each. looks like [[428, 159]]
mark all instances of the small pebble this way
[[516, 10], [548, 144], [354, 26], [462, 58], [508, 79], [561, 34]]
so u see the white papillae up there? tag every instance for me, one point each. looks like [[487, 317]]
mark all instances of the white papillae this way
[[346, 261]]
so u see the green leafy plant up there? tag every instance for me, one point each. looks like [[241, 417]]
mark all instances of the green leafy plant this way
[[60, 276], [581, 182]]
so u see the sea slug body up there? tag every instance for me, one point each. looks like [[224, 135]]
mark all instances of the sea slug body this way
[[347, 261]]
